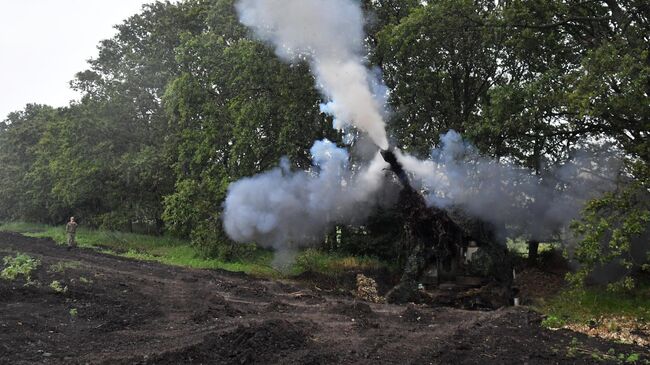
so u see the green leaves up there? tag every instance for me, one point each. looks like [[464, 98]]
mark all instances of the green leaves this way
[[439, 62], [614, 229], [20, 265], [183, 101], [234, 111]]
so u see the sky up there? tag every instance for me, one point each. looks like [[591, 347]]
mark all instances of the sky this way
[[44, 43]]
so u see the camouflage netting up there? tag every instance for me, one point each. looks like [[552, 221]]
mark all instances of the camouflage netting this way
[[436, 241], [367, 289]]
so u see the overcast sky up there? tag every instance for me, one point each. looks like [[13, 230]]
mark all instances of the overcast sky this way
[[43, 43]]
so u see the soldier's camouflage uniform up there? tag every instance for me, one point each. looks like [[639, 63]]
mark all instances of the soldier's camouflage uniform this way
[[71, 230]]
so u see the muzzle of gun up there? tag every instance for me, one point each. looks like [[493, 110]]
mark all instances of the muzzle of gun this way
[[390, 157]]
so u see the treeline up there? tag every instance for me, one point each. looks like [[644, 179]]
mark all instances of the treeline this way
[[183, 101]]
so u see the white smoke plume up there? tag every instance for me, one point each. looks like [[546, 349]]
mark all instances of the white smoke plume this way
[[511, 197], [286, 209], [329, 34]]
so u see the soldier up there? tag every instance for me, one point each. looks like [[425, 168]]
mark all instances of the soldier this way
[[71, 229]]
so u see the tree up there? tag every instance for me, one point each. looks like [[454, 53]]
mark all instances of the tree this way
[[123, 93], [612, 92], [235, 110], [20, 134], [439, 66]]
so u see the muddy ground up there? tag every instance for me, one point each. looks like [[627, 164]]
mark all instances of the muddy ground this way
[[133, 312]]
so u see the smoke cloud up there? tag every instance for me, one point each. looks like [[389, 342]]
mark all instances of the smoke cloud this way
[[329, 34], [286, 209], [511, 197]]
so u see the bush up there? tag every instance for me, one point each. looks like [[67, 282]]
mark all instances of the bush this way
[[58, 287], [614, 229], [20, 265], [553, 322], [212, 242], [114, 221]]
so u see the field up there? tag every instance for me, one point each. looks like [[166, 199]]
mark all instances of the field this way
[[83, 306]]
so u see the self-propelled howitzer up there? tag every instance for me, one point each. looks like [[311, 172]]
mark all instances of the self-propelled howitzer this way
[[441, 253]]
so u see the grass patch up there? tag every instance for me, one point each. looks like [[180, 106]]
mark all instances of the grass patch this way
[[584, 305], [23, 227], [596, 311], [163, 249], [179, 252], [575, 348], [36, 230], [187, 256], [332, 264], [552, 322], [62, 266]]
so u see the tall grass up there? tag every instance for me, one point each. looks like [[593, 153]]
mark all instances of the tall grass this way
[[334, 264]]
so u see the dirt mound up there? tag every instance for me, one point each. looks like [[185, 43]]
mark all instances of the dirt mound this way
[[506, 339], [359, 313], [278, 306], [272, 341], [354, 309], [251, 291], [535, 283], [413, 315], [215, 308], [341, 284], [346, 282], [267, 339]]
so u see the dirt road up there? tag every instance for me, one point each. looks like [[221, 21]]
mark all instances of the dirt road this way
[[120, 311]]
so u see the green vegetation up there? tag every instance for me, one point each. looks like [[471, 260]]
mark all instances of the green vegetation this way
[[62, 266], [621, 358], [179, 252], [588, 304], [188, 256], [182, 101], [611, 228], [552, 322], [21, 264], [58, 287], [576, 348], [333, 264], [520, 247], [73, 312], [36, 230]]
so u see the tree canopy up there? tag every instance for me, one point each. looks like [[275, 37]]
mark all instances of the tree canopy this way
[[183, 100]]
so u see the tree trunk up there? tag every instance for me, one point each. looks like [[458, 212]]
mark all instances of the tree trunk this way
[[533, 250]]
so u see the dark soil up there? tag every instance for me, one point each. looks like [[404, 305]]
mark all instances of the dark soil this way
[[133, 312]]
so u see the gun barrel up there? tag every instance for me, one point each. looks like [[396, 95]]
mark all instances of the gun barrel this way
[[395, 166]]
